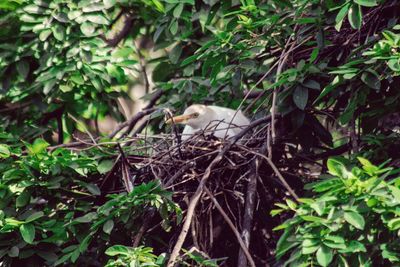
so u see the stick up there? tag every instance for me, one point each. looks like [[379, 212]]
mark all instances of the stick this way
[[199, 191], [249, 209], [232, 226], [146, 111], [277, 172]]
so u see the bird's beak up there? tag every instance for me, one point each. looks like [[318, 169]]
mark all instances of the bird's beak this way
[[180, 119]]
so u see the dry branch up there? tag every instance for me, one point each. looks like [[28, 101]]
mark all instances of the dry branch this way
[[200, 188]]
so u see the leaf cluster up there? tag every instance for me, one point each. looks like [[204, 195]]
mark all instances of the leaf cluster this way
[[352, 219]]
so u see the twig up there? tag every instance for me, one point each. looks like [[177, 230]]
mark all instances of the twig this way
[[353, 135], [126, 174], [199, 191], [277, 172], [168, 113], [84, 127], [110, 171], [232, 226], [179, 173], [147, 218], [249, 206], [131, 122], [146, 111], [143, 67]]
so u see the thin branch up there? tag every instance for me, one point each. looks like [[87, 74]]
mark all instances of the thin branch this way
[[249, 206], [199, 191], [143, 68], [132, 121], [84, 127], [232, 226], [277, 172]]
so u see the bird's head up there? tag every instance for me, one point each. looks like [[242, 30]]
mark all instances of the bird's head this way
[[196, 116]]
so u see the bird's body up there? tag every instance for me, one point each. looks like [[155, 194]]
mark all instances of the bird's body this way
[[222, 122]]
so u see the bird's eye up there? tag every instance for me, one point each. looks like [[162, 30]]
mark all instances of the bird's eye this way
[[195, 115]]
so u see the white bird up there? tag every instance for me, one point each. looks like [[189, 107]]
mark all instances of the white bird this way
[[223, 122]]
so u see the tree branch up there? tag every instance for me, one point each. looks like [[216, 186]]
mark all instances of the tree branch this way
[[199, 191]]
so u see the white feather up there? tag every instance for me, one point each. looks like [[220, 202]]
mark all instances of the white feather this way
[[222, 122]]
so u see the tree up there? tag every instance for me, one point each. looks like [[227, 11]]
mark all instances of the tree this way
[[323, 74]]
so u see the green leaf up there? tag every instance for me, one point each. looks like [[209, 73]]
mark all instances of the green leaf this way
[[309, 218], [65, 88], [58, 32], [44, 34], [371, 79], [61, 17], [300, 97], [38, 146], [48, 86], [117, 250], [312, 84], [367, 3], [355, 219], [23, 68], [23, 199], [94, 189], [353, 247], [77, 78], [336, 167], [394, 224], [173, 27], [158, 32], [348, 113], [341, 15], [28, 18], [109, 3], [335, 238], [13, 252], [319, 207], [74, 14], [355, 16], [189, 60], [309, 250], [159, 6], [116, 72], [4, 151], [28, 232], [34, 216], [87, 218], [34, 9], [291, 204], [98, 19], [314, 54], [395, 192], [85, 243], [108, 226], [394, 64], [324, 256], [93, 7], [87, 28], [178, 10], [175, 54]]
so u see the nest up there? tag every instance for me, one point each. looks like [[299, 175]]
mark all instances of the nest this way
[[236, 188]]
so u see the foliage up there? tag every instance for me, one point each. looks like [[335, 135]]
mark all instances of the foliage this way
[[127, 256], [49, 212], [333, 66], [352, 219]]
